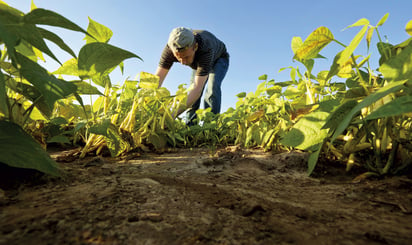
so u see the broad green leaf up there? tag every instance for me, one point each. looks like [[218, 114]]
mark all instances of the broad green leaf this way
[[408, 28], [99, 32], [382, 92], [59, 139], [309, 65], [313, 159], [59, 121], [10, 14], [100, 57], [86, 88], [241, 95], [339, 114], [36, 113], [47, 17], [385, 50], [263, 77], [32, 94], [10, 69], [348, 51], [27, 50], [103, 80], [393, 108], [129, 90], [32, 35], [398, 67], [113, 139], [50, 87], [70, 68], [57, 40], [307, 133], [383, 20], [314, 43], [18, 149], [11, 30], [10, 40]]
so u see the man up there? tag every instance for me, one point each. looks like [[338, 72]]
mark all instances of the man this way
[[208, 58]]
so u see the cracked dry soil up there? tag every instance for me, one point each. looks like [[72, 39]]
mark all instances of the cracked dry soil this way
[[233, 196]]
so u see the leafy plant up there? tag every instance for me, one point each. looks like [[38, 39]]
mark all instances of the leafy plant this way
[[18, 149], [28, 92], [358, 121], [350, 112]]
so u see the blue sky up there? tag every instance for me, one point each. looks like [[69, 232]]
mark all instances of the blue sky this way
[[257, 33]]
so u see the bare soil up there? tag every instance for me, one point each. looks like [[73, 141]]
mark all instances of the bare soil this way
[[229, 196]]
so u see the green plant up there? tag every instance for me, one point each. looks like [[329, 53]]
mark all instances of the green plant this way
[[357, 121], [28, 92]]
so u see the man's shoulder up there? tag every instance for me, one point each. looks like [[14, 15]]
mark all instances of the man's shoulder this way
[[203, 33]]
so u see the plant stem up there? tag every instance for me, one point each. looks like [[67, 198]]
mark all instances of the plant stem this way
[[380, 40], [391, 158]]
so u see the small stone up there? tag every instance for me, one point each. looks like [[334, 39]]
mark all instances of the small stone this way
[[154, 217]]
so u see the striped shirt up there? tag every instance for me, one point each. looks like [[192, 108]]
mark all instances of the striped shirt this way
[[210, 49]]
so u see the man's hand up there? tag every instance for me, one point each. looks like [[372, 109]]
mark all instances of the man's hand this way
[[179, 111], [196, 91]]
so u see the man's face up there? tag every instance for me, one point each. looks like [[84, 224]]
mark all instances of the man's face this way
[[187, 55]]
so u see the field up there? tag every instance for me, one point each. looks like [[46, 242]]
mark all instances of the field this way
[[231, 196], [322, 158]]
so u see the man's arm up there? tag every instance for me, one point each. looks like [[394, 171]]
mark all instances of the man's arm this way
[[194, 93], [161, 73]]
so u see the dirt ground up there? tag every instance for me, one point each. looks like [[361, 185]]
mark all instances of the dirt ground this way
[[199, 196]]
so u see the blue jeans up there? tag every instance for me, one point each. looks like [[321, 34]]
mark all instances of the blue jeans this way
[[213, 94]]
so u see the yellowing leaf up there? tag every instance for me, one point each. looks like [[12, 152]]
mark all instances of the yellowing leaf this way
[[369, 36], [408, 27], [314, 43], [256, 115], [360, 22], [33, 6], [383, 19], [99, 32], [148, 81], [348, 51], [296, 43]]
